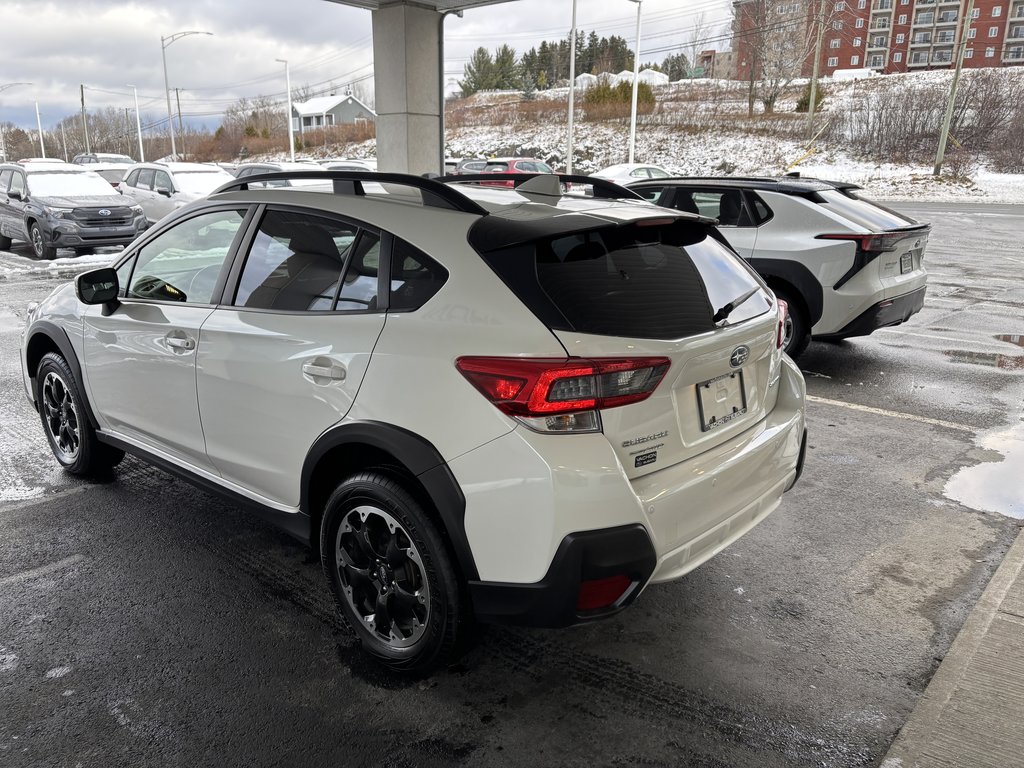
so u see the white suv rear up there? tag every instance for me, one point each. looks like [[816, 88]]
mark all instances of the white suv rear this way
[[475, 403]]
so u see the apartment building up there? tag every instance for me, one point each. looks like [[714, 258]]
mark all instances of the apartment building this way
[[888, 35]]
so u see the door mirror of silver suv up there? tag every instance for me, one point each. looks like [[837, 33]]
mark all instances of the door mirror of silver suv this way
[[98, 286], [163, 191]]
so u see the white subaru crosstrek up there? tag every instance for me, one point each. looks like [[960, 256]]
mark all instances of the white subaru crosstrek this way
[[846, 266], [505, 405]]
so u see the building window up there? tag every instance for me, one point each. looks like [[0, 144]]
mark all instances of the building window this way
[[840, 6], [860, 23], [902, 19], [833, 61], [990, 52], [969, 53], [972, 33], [993, 31], [897, 57], [900, 38], [926, 18], [834, 43], [857, 42], [997, 11], [875, 62], [837, 25], [975, 13], [854, 61], [862, 4]]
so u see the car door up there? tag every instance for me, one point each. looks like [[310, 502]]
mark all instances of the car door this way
[[15, 215], [5, 203], [142, 192], [163, 195], [140, 358], [282, 359]]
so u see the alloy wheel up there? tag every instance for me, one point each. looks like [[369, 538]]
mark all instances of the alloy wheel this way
[[37, 241], [382, 576], [61, 418]]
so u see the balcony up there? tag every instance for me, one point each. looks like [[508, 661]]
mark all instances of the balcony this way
[[942, 57], [921, 40], [918, 59], [924, 20], [882, 5], [881, 24], [946, 18], [1017, 33], [1014, 54], [944, 37]]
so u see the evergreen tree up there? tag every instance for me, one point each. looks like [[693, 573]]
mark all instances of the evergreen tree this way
[[480, 74], [506, 69]]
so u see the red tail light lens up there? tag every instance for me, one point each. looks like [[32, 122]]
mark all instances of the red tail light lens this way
[[544, 387], [601, 593], [780, 336], [875, 243]]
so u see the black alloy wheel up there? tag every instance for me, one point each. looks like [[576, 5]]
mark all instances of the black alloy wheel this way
[[42, 250], [391, 573]]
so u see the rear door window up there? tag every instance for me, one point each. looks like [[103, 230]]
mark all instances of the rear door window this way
[[865, 213], [145, 180], [726, 205], [656, 282], [415, 277]]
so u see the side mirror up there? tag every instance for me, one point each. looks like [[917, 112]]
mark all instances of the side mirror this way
[[15, 194], [98, 286], [163, 191]]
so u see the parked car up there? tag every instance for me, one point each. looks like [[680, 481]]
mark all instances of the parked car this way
[[510, 165], [104, 158], [624, 173], [112, 172], [58, 205], [360, 164], [845, 266], [161, 188], [467, 165], [246, 170], [467, 412]]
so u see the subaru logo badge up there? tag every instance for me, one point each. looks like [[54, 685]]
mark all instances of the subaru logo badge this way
[[104, 211], [739, 356]]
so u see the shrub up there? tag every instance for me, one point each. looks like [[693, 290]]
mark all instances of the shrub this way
[[804, 102]]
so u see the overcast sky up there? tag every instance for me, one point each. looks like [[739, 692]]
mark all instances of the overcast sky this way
[[107, 44]]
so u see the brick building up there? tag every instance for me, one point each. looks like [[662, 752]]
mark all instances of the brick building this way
[[884, 35]]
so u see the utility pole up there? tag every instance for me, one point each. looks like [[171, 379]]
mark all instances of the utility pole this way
[[965, 28], [181, 132], [138, 124], [636, 83], [572, 86], [814, 72], [85, 123], [291, 139], [39, 125], [64, 141]]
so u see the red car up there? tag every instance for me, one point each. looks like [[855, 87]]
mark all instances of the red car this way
[[514, 165]]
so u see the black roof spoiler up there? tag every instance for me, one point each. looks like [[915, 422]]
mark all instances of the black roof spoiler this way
[[602, 188]]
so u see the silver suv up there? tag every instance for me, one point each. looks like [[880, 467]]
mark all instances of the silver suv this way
[[473, 403], [161, 188]]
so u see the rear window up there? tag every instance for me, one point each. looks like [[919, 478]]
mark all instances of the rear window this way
[[655, 282], [865, 213], [496, 168]]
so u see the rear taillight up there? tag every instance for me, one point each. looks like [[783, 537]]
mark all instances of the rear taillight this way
[[562, 395], [874, 243], [780, 333], [602, 593]]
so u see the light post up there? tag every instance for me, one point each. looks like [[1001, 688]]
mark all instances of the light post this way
[[288, 85], [3, 141], [572, 86], [39, 125], [636, 73], [164, 42], [138, 124]]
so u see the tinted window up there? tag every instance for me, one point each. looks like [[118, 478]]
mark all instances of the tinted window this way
[[132, 178], [17, 182], [5, 179], [359, 289], [657, 173], [415, 277], [649, 193], [726, 205], [162, 180], [865, 213], [145, 180], [656, 282], [761, 209], [496, 168], [184, 262], [295, 263]]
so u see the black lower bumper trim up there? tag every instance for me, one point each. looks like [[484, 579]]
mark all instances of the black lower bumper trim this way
[[882, 314], [551, 602]]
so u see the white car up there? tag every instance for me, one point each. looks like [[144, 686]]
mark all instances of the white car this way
[[624, 173], [161, 188], [482, 403], [845, 266]]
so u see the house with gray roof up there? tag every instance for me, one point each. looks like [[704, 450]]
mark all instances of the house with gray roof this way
[[327, 111]]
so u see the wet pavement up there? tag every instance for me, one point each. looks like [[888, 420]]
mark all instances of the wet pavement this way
[[143, 622]]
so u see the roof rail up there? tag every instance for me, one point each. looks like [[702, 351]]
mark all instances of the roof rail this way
[[435, 194], [602, 188]]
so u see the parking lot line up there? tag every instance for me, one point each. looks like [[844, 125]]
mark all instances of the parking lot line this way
[[42, 570], [922, 335], [891, 414]]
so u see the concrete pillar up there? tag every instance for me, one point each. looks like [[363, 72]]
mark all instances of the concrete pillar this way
[[407, 88]]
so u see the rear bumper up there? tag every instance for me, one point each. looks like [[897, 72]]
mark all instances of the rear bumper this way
[[586, 555], [885, 313]]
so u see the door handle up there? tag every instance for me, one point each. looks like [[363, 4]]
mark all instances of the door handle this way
[[324, 371], [180, 343]]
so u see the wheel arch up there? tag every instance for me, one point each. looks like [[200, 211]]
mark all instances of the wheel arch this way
[[47, 337], [410, 458], [799, 282]]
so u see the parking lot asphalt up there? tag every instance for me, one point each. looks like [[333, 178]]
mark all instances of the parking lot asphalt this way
[[143, 622]]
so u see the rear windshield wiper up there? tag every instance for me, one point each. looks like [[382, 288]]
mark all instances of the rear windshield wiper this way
[[725, 311]]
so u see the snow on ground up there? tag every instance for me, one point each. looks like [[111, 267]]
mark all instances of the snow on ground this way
[[14, 264]]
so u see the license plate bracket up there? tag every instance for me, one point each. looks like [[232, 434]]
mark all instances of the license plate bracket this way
[[907, 262], [721, 400]]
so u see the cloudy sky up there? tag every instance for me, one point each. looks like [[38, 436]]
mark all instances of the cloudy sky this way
[[58, 45]]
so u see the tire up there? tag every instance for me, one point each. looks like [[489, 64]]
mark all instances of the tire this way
[[5, 243], [42, 250], [62, 411], [798, 330], [381, 553]]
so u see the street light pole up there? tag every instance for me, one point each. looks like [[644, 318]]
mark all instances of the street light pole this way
[[39, 125], [164, 42], [138, 124], [288, 85], [636, 73], [572, 86], [3, 140]]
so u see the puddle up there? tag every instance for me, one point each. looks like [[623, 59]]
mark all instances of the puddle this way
[[994, 486], [1006, 362]]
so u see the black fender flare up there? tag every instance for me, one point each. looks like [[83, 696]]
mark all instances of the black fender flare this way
[[420, 458], [797, 275], [59, 337]]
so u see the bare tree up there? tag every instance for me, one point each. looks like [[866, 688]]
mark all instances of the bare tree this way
[[700, 33], [776, 36]]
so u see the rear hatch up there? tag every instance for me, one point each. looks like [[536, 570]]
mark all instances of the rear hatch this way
[[648, 292]]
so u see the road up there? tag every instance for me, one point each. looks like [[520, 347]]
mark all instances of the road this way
[[145, 623]]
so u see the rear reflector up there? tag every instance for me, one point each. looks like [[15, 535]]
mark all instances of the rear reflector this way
[[780, 335], [601, 593], [533, 387]]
